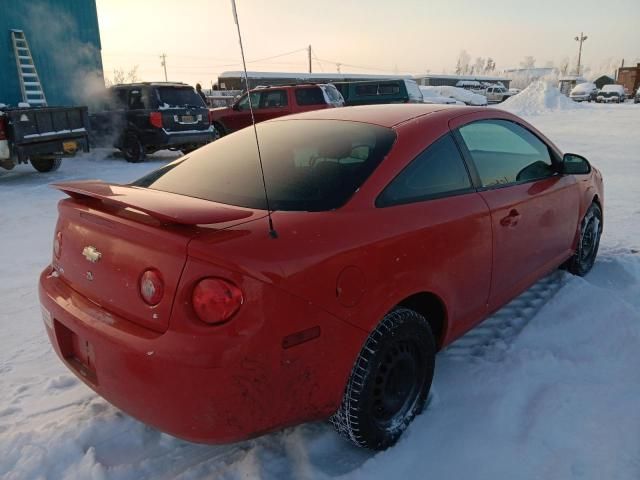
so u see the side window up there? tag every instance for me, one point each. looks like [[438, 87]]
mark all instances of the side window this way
[[243, 104], [366, 90], [135, 99], [437, 172], [274, 99], [309, 96], [389, 89], [505, 153], [120, 99]]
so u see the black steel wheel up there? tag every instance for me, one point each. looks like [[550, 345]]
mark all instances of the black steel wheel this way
[[133, 150], [590, 232], [46, 164], [390, 381]]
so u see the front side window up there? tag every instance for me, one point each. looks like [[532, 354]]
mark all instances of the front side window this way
[[243, 104], [505, 153], [438, 171], [309, 165]]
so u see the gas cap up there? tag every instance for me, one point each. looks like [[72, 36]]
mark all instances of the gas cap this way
[[350, 286]]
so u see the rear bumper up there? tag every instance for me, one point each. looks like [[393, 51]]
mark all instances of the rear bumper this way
[[50, 147], [224, 384], [166, 138]]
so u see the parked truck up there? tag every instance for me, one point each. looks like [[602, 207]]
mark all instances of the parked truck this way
[[42, 135]]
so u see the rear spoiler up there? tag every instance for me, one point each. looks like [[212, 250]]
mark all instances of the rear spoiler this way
[[163, 206]]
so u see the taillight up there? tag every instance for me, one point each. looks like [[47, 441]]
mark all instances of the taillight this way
[[57, 244], [3, 127], [151, 287], [216, 300], [155, 119]]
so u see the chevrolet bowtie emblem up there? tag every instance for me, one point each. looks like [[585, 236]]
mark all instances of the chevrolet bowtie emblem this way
[[91, 253]]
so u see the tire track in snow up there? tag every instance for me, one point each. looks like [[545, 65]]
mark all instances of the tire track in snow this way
[[492, 337]]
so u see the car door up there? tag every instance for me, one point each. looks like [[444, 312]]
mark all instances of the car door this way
[[273, 104], [445, 243], [240, 117], [534, 209]]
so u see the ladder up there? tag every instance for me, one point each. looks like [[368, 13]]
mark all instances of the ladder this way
[[32, 92]]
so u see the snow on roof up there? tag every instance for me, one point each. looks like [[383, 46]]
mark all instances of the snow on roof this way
[[308, 76], [463, 77]]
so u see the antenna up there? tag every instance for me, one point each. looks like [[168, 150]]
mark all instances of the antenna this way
[[272, 231]]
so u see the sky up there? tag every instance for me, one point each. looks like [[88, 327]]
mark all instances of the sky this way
[[367, 36]]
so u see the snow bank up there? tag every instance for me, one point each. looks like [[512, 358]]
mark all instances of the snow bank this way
[[537, 98]]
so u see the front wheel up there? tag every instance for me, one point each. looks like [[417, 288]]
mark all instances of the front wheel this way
[[590, 232], [46, 164], [390, 381]]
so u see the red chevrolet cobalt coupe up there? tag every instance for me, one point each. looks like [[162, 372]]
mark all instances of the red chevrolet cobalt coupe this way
[[396, 228]]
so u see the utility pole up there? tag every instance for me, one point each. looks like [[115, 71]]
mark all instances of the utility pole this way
[[580, 39], [309, 58], [163, 62], [338, 65]]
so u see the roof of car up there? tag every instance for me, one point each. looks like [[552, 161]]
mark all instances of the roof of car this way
[[387, 115]]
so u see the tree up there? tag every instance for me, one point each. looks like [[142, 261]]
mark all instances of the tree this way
[[490, 66], [564, 66], [119, 76], [479, 66], [528, 62], [462, 67]]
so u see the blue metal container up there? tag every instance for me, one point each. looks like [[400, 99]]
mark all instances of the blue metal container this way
[[64, 38]]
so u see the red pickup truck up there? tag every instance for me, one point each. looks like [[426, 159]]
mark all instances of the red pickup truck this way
[[272, 102]]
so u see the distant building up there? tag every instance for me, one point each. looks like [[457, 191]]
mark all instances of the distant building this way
[[566, 83], [452, 80], [64, 39], [603, 80], [235, 80], [629, 78]]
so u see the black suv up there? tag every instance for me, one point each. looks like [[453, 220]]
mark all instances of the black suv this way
[[142, 118]]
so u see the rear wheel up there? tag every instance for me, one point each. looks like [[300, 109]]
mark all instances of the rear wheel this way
[[590, 232], [46, 164], [132, 149], [389, 382]]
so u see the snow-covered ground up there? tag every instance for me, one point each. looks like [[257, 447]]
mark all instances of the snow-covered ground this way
[[547, 388]]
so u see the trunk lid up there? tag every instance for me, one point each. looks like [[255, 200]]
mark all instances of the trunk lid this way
[[111, 234]]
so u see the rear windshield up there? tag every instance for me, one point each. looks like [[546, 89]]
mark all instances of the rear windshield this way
[[309, 165], [413, 90], [179, 97]]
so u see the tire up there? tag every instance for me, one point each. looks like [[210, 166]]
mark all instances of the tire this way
[[46, 164], [390, 381], [132, 149], [590, 231], [220, 130]]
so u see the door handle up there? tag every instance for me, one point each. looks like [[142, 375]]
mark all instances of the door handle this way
[[512, 219]]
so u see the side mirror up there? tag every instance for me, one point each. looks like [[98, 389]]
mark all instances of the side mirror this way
[[573, 164], [236, 107]]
